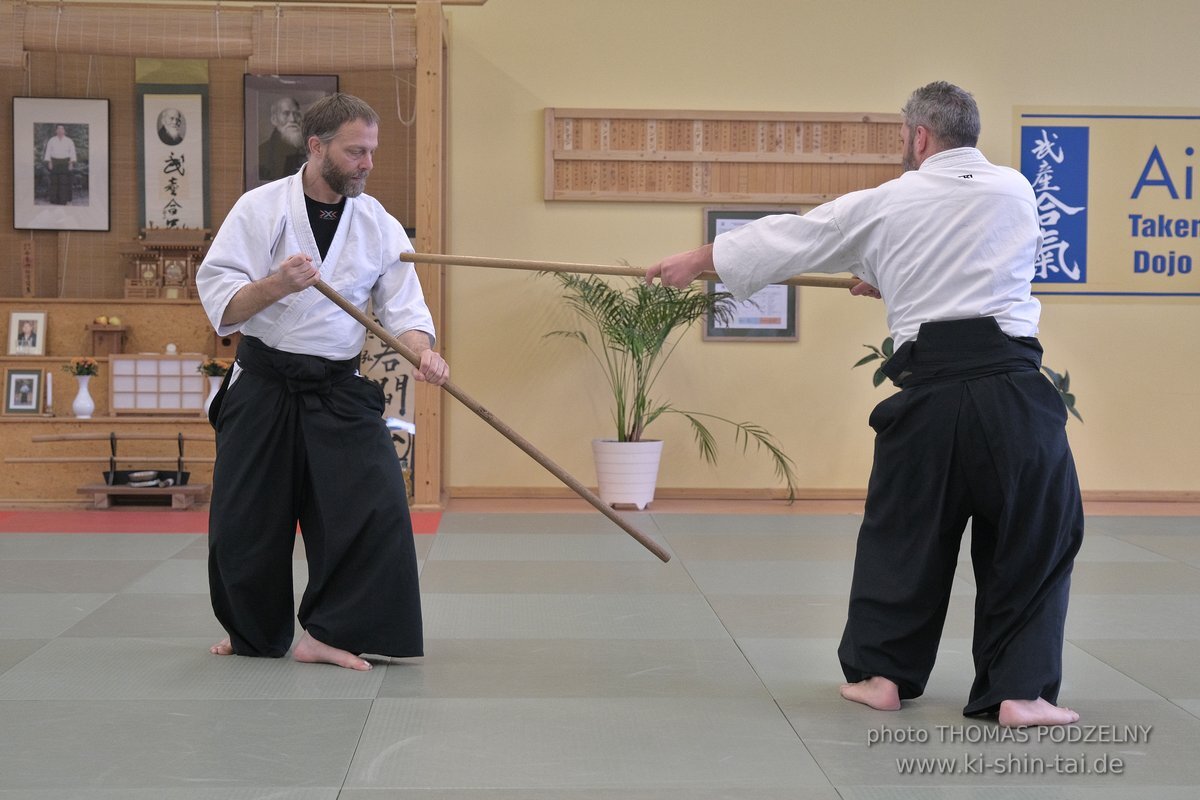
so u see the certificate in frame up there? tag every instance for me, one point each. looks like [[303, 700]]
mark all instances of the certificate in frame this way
[[770, 315]]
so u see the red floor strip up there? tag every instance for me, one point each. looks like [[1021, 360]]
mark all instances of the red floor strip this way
[[139, 521]]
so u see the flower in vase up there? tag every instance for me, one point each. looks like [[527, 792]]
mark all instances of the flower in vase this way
[[82, 366], [214, 367]]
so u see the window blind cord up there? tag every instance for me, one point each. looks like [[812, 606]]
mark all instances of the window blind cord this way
[[396, 75]]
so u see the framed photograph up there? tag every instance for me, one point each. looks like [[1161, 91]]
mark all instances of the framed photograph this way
[[771, 314], [172, 153], [60, 164], [275, 104], [27, 333], [23, 391]]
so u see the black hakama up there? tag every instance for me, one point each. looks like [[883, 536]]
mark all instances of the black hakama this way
[[302, 439], [60, 181], [976, 433]]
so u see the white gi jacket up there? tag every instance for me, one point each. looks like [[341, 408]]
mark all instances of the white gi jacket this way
[[59, 148], [270, 223], [955, 239]]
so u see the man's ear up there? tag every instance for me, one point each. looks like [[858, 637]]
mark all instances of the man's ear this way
[[921, 140]]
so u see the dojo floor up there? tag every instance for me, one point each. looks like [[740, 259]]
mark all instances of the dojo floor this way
[[563, 662]]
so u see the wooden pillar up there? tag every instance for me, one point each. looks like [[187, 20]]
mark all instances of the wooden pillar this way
[[431, 238]]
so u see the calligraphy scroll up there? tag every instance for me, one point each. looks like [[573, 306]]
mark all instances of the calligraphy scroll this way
[[172, 149], [381, 365]]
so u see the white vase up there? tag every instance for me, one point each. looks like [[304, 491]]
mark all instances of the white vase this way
[[214, 384], [83, 405], [627, 471]]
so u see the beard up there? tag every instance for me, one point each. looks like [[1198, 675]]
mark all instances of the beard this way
[[909, 160], [291, 134], [347, 184]]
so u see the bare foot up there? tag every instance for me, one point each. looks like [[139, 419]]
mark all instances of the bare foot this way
[[310, 651], [877, 692], [1019, 713], [222, 648]]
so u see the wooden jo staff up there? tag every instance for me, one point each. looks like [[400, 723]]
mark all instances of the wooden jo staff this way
[[491, 419], [826, 281]]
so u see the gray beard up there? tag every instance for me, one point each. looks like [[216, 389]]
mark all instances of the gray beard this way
[[909, 160]]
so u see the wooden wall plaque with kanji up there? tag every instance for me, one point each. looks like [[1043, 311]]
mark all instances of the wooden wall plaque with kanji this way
[[716, 156]]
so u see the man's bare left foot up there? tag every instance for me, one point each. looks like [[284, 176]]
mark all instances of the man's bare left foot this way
[[311, 651], [877, 692], [1019, 713], [222, 648]]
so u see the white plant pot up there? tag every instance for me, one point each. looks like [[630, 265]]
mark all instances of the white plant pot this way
[[627, 471]]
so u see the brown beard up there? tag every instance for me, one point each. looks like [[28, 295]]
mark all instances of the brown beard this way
[[347, 184]]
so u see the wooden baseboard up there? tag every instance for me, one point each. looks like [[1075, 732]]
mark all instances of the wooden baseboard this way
[[668, 493]]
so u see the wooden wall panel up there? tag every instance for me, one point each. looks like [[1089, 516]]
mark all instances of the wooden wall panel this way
[[88, 264], [709, 156]]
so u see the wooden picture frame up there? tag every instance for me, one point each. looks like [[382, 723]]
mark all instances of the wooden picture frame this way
[[60, 164], [271, 101], [23, 391], [771, 315], [27, 333], [172, 133]]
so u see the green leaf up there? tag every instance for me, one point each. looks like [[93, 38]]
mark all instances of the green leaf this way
[[1063, 383], [867, 359]]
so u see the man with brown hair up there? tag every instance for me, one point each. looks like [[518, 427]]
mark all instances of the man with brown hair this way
[[300, 433]]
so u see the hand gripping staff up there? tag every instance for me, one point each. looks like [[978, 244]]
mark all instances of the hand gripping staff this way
[[491, 419]]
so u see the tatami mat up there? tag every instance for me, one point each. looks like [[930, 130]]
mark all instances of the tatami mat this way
[[564, 662]]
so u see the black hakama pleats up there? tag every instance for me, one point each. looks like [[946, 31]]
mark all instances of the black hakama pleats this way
[[60, 181], [301, 439], [978, 434]]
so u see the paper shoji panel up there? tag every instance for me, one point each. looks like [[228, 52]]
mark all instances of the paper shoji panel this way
[[706, 156], [156, 384]]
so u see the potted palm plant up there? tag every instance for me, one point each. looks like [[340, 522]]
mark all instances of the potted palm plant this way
[[636, 329]]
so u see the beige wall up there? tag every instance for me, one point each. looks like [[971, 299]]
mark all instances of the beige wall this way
[[1132, 363]]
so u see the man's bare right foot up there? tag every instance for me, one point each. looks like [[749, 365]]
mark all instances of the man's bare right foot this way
[[222, 648], [311, 651], [1019, 713], [877, 692]]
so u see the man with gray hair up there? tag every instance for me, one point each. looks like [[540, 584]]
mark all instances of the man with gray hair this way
[[975, 432], [300, 433]]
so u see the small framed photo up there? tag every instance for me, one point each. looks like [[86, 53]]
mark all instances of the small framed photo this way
[[60, 164], [771, 314], [275, 105], [23, 391], [27, 333]]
